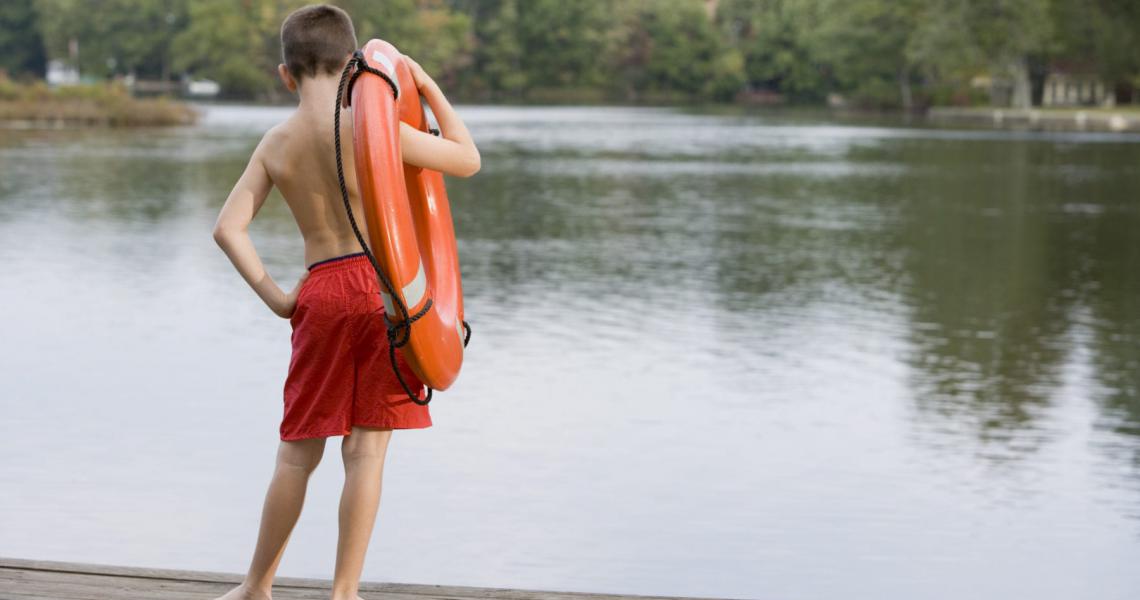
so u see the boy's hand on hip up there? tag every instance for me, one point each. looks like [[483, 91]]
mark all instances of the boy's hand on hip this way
[[288, 302]]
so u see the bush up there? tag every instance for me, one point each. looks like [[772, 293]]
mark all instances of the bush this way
[[876, 94], [95, 104]]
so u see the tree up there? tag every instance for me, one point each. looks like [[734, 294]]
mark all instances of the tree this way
[[672, 46], [772, 37], [429, 31], [1010, 33], [865, 42], [123, 36], [236, 44], [499, 53], [564, 42], [1104, 34], [21, 44], [880, 53], [444, 43], [942, 47]]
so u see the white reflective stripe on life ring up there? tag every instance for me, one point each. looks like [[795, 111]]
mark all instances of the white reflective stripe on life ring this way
[[389, 67], [413, 293]]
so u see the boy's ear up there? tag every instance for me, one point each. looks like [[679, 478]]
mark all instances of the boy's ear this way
[[287, 78]]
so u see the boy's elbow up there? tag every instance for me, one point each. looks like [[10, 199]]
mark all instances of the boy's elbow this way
[[472, 165], [222, 235]]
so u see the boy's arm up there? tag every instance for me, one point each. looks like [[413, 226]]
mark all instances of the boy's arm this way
[[454, 152], [232, 233]]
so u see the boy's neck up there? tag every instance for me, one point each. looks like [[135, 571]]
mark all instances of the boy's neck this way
[[318, 94]]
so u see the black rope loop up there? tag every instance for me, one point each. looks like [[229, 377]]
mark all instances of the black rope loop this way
[[400, 331], [404, 329], [361, 65], [392, 345]]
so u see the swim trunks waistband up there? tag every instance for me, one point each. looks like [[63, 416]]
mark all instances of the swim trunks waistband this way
[[335, 259]]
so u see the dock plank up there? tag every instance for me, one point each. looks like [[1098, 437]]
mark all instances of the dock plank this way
[[22, 579]]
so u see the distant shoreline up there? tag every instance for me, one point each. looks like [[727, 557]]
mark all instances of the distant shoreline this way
[[107, 106], [36, 105], [60, 114], [1126, 120]]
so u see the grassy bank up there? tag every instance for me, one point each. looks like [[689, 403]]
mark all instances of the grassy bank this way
[[95, 105]]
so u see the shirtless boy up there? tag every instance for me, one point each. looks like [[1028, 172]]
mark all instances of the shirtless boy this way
[[340, 382]]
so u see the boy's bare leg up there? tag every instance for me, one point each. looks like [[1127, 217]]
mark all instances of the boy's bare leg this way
[[295, 462], [363, 452]]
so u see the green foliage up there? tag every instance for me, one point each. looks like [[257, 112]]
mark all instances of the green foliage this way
[[773, 36], [499, 53], [93, 104], [879, 53], [438, 38], [563, 42], [119, 37], [865, 42], [672, 46], [960, 38], [21, 43], [234, 43], [1105, 33]]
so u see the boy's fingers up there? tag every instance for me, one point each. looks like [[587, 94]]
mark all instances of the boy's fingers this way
[[416, 68]]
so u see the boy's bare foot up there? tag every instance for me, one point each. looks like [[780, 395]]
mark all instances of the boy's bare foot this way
[[244, 592]]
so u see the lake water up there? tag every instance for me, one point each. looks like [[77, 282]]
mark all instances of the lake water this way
[[754, 356]]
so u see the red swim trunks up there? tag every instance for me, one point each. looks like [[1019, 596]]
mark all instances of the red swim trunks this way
[[340, 374]]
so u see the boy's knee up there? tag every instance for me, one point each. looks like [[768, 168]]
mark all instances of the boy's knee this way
[[303, 455], [365, 444]]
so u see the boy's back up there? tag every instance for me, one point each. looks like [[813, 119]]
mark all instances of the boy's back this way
[[299, 158], [340, 380]]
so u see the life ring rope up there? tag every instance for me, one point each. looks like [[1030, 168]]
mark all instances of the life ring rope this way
[[398, 332]]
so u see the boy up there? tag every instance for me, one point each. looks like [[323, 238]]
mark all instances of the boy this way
[[340, 381]]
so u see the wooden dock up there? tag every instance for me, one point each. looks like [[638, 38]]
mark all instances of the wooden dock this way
[[42, 580]]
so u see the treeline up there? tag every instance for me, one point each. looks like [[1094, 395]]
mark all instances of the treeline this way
[[877, 53]]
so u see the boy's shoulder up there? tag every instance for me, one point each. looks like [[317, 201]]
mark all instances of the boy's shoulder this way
[[276, 142], [279, 134]]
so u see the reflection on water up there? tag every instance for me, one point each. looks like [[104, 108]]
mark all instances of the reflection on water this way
[[730, 355]]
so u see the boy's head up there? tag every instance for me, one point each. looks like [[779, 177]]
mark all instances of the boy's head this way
[[315, 40]]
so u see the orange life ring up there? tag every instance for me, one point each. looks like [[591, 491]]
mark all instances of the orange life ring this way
[[408, 216]]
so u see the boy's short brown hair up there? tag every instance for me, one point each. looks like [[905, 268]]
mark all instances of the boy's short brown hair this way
[[316, 40]]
